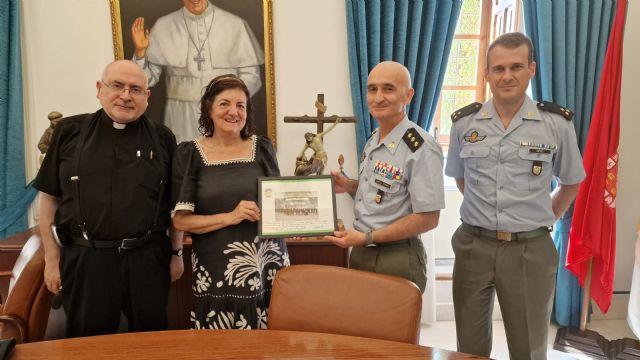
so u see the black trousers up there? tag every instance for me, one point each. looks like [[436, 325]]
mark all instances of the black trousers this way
[[100, 284]]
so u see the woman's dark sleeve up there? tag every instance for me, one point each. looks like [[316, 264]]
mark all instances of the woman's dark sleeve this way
[[184, 175]]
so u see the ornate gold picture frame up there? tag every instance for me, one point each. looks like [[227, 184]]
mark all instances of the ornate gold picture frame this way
[[257, 13]]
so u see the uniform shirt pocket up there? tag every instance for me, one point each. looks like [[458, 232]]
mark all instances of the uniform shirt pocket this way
[[537, 167], [475, 159], [389, 187]]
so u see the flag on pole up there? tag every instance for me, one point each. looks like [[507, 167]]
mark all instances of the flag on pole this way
[[633, 318], [593, 230]]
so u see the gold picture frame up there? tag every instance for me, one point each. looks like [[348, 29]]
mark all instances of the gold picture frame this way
[[266, 111]]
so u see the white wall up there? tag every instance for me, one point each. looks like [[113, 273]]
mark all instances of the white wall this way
[[310, 48], [66, 43], [63, 59]]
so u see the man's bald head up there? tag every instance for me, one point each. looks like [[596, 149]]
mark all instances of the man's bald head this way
[[389, 91], [392, 67], [127, 66]]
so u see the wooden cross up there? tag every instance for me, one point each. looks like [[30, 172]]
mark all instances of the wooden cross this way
[[319, 119]]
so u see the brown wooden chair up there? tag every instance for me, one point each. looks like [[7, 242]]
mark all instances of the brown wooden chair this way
[[343, 301], [25, 312]]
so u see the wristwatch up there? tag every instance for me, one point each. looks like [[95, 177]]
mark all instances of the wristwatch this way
[[368, 237], [176, 252]]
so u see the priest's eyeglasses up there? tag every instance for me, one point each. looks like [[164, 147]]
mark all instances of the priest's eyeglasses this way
[[120, 88]]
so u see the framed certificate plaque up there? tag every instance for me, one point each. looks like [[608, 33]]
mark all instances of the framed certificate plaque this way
[[292, 206]]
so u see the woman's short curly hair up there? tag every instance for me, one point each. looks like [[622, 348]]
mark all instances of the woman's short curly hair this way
[[215, 87]]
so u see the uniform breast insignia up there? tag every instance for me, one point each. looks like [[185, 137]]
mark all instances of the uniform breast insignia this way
[[538, 148], [467, 110], [536, 168], [474, 137], [555, 108], [379, 196], [387, 170], [413, 139]]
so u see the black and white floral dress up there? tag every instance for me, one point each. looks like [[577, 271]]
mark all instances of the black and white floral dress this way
[[232, 269]]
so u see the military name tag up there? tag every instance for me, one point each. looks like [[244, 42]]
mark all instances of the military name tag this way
[[540, 151], [380, 182], [536, 168]]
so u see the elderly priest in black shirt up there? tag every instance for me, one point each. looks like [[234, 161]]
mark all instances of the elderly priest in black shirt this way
[[105, 211]]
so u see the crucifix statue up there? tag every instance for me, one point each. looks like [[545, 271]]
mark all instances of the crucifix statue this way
[[316, 163]]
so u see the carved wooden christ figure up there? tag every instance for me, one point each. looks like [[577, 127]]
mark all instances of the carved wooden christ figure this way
[[316, 163], [318, 160]]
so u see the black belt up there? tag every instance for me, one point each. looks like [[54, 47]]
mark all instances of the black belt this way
[[504, 235], [121, 244]]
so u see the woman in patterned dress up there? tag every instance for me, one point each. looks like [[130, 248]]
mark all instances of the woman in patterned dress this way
[[215, 190]]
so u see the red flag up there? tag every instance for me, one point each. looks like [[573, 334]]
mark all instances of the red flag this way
[[593, 230]]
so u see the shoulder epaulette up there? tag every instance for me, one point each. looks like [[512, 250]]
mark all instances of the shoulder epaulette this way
[[373, 132], [555, 108], [467, 110], [413, 139]]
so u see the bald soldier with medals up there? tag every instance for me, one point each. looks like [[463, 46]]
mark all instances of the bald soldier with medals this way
[[400, 190], [503, 155]]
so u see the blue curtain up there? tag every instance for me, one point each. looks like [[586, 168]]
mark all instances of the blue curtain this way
[[415, 33], [570, 40], [14, 197]]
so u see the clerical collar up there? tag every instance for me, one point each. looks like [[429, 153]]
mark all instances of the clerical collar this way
[[190, 16], [118, 125]]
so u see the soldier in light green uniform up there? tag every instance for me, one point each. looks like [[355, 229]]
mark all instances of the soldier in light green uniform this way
[[400, 189], [503, 155]]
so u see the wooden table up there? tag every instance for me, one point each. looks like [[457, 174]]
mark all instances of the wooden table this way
[[227, 344]]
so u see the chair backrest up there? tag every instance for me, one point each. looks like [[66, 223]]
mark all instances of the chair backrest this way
[[343, 301], [28, 300]]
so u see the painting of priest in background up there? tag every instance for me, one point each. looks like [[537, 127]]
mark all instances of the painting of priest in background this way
[[192, 45]]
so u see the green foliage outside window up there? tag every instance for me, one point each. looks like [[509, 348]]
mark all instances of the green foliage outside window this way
[[462, 65], [453, 100], [469, 22], [463, 62]]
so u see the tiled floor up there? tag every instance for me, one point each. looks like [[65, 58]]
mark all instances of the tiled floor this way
[[441, 334]]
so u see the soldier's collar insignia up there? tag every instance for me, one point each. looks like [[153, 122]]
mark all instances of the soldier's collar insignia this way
[[467, 110], [556, 109], [413, 139], [474, 137]]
